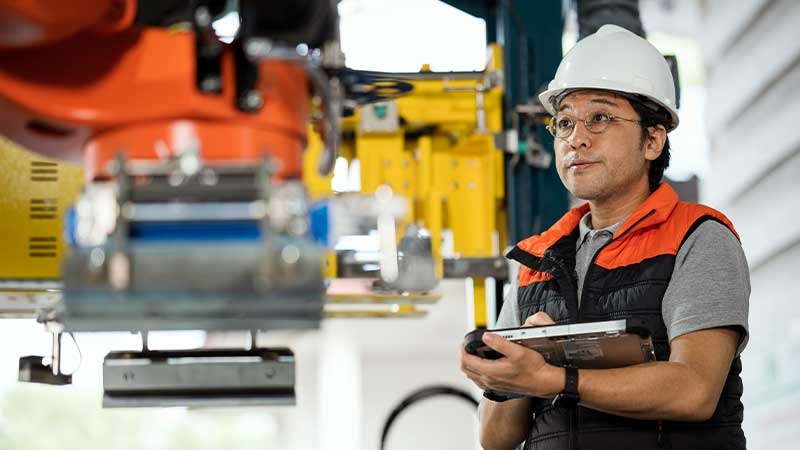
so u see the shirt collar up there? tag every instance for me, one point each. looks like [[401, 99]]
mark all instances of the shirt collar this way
[[584, 226], [656, 209]]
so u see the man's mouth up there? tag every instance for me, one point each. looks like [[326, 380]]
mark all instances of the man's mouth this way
[[573, 160], [578, 163]]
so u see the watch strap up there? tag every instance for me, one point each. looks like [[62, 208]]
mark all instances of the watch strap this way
[[497, 396], [569, 396]]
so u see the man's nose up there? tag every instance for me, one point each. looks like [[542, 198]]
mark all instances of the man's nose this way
[[581, 137]]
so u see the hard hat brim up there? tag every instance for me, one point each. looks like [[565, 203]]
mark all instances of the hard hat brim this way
[[550, 96]]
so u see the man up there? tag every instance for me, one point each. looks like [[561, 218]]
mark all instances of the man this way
[[633, 250]]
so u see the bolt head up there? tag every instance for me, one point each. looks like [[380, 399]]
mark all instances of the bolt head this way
[[202, 16], [256, 48], [252, 101], [211, 84]]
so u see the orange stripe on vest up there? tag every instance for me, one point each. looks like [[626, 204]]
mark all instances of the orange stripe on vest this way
[[528, 276], [657, 227]]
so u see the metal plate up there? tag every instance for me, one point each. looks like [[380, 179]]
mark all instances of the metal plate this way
[[27, 298], [204, 286], [362, 291], [476, 267], [199, 378]]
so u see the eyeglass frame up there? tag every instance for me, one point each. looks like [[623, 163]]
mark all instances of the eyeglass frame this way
[[611, 118]]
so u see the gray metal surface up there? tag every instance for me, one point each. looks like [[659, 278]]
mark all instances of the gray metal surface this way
[[332, 313], [198, 401], [211, 184], [348, 265], [476, 267], [199, 378], [198, 286], [172, 211], [27, 298]]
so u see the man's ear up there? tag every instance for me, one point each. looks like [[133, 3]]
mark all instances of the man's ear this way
[[654, 145]]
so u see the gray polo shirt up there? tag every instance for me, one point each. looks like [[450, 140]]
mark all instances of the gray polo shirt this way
[[588, 243], [710, 285]]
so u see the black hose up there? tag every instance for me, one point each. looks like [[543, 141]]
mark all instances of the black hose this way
[[422, 394], [593, 14]]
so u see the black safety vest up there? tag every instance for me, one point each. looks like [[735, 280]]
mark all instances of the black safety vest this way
[[626, 279]]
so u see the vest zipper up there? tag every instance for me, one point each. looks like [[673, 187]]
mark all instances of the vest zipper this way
[[566, 280], [594, 258], [573, 432], [574, 414], [573, 436]]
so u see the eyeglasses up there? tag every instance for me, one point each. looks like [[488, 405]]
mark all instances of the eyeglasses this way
[[562, 126]]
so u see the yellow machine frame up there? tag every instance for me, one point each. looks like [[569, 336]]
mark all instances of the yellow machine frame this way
[[452, 175], [35, 193]]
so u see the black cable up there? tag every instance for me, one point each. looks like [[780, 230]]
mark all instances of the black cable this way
[[422, 394]]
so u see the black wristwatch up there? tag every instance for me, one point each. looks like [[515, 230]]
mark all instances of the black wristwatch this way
[[569, 396]]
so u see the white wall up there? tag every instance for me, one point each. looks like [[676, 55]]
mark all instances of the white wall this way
[[400, 356], [353, 372], [752, 53]]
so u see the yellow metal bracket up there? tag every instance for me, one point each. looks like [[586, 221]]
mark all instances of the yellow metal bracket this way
[[441, 156]]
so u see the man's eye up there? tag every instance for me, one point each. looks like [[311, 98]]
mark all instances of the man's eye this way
[[563, 123], [600, 117]]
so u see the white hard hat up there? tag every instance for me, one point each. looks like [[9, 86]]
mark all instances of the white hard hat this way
[[615, 59]]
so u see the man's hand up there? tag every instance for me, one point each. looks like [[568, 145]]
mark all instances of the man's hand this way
[[522, 370], [539, 319]]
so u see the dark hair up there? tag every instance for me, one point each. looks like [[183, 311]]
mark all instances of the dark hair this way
[[650, 115]]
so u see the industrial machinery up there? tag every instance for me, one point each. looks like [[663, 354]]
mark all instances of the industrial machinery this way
[[191, 173], [193, 214]]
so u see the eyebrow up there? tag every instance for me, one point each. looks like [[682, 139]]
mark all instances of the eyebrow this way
[[598, 100], [563, 106], [603, 101]]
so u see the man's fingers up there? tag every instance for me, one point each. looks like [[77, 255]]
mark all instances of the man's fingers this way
[[539, 319], [476, 377], [473, 375], [501, 344], [471, 364]]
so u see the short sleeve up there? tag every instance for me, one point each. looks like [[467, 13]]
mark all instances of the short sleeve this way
[[710, 285], [509, 312]]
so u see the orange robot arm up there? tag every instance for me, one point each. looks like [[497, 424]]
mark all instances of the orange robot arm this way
[[92, 85], [30, 23]]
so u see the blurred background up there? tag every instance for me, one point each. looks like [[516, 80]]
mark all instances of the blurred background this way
[[737, 149]]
